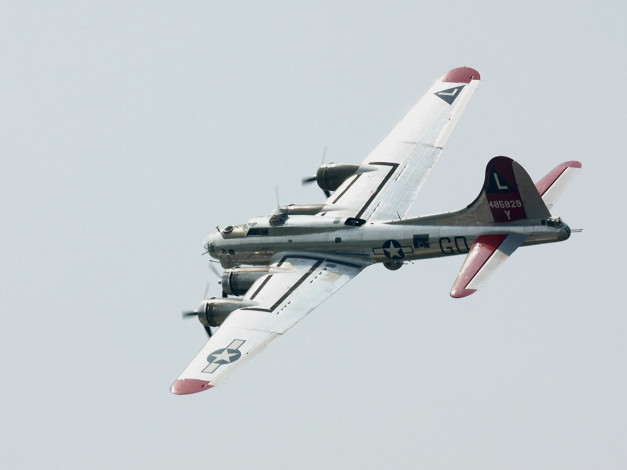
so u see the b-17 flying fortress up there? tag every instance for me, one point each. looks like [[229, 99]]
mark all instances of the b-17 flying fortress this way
[[280, 267]]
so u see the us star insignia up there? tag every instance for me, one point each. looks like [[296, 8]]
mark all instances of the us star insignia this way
[[392, 249], [224, 356]]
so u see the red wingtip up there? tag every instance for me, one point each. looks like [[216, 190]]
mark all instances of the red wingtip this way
[[188, 386], [461, 75], [463, 293]]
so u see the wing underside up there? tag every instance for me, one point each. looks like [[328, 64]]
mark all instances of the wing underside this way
[[283, 298]]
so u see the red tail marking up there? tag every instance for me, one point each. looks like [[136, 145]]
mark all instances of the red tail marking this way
[[502, 192]]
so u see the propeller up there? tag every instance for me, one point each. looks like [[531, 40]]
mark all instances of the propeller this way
[[201, 309], [188, 314], [214, 270], [314, 178], [309, 179]]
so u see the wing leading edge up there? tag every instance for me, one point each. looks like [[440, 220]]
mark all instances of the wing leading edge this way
[[405, 157], [283, 299]]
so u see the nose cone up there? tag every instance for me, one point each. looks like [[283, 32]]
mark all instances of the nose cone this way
[[210, 241]]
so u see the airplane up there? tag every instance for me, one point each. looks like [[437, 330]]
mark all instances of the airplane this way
[[280, 267]]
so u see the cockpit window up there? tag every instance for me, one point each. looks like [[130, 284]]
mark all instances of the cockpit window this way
[[256, 232]]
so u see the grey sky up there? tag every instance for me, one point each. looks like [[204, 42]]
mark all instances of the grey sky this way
[[130, 129]]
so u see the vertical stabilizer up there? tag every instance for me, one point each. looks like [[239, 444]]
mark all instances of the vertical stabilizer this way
[[510, 192]]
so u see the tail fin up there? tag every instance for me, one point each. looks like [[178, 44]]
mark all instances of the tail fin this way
[[508, 195], [511, 194]]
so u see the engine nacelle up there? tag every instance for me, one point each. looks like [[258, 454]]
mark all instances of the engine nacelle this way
[[237, 281], [331, 175], [214, 311]]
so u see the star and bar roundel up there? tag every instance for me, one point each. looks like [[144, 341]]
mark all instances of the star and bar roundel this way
[[392, 249], [224, 356]]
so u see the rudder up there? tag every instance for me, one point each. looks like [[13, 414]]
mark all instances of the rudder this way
[[510, 193]]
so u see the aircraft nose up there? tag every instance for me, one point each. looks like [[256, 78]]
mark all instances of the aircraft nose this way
[[210, 243]]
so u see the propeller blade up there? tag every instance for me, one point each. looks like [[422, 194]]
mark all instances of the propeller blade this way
[[309, 179], [215, 271], [189, 313], [208, 330], [276, 196]]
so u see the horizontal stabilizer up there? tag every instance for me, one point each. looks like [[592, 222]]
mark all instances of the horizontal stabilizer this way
[[553, 184], [485, 256]]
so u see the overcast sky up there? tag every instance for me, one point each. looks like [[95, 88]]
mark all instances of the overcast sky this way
[[129, 130]]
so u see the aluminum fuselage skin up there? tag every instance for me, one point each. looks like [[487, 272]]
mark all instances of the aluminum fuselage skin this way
[[373, 242]]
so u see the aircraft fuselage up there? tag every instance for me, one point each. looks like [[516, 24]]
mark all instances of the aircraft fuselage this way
[[392, 243]]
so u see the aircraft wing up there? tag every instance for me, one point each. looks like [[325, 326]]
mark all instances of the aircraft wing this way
[[401, 162], [284, 297]]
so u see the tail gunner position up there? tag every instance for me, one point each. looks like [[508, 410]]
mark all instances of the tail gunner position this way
[[279, 268]]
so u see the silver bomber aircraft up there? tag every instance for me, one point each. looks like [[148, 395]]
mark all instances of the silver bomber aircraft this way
[[280, 267]]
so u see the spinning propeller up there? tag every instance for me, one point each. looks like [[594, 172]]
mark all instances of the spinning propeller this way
[[202, 308], [196, 313], [314, 178]]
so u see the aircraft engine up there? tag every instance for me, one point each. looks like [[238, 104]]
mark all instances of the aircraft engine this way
[[214, 311], [330, 176], [237, 281]]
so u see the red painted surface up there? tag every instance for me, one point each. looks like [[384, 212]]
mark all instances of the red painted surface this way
[[461, 75], [187, 386], [545, 183], [479, 254], [501, 190]]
